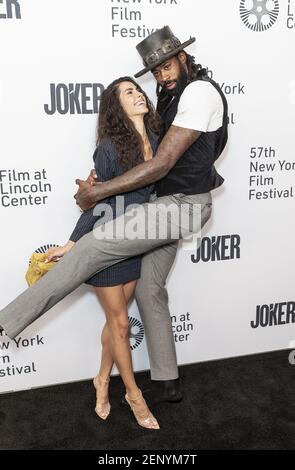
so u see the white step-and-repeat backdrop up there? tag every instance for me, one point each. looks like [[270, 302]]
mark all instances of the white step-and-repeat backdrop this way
[[235, 295]]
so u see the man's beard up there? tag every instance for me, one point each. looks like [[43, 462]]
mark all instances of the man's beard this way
[[181, 83]]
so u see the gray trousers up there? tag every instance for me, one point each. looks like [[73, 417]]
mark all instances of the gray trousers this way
[[92, 254]]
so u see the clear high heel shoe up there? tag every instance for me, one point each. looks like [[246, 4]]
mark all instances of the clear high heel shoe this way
[[102, 409], [144, 418]]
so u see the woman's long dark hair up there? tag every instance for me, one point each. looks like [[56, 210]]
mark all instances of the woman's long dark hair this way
[[113, 123]]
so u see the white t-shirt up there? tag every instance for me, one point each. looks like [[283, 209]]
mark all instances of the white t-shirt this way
[[200, 107]]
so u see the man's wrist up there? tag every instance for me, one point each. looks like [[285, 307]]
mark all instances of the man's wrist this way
[[98, 192]]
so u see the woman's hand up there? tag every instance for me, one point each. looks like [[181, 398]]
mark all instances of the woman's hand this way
[[54, 254]]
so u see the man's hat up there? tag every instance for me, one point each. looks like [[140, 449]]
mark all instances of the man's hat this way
[[158, 47]]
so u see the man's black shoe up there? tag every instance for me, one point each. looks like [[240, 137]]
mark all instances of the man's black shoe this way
[[171, 391], [161, 391]]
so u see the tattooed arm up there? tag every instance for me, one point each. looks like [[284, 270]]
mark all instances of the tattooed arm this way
[[175, 143]]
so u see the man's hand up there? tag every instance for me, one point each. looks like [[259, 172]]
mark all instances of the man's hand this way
[[85, 195], [92, 178]]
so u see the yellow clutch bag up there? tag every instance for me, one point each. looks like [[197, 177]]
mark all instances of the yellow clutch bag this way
[[38, 267]]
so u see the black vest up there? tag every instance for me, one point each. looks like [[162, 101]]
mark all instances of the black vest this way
[[194, 172]]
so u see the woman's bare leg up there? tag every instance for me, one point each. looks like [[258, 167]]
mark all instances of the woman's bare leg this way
[[116, 339], [107, 360], [113, 301]]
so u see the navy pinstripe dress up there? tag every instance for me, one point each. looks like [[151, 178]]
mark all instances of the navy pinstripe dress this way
[[107, 166]]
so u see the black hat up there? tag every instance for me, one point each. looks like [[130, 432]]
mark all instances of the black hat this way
[[158, 47]]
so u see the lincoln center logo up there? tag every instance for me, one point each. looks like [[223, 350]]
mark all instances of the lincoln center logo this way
[[136, 332], [259, 15]]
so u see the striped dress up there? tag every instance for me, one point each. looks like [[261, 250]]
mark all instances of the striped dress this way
[[107, 166]]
